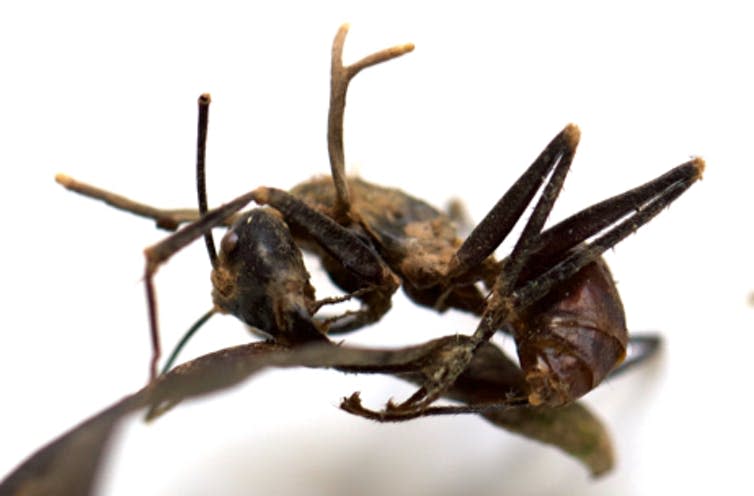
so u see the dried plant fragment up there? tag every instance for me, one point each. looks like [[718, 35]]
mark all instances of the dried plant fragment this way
[[69, 464]]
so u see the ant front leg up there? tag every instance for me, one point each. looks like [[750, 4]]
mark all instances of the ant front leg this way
[[369, 277]]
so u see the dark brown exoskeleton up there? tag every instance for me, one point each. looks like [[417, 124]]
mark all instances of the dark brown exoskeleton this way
[[571, 339], [553, 293]]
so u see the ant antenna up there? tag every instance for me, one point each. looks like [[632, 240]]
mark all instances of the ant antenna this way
[[201, 184], [182, 343], [201, 192]]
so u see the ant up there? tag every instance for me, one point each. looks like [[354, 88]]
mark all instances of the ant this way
[[554, 293]]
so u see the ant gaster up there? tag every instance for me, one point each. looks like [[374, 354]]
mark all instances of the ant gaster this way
[[553, 293]]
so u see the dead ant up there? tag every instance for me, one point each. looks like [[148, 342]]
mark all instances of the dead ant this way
[[554, 293]]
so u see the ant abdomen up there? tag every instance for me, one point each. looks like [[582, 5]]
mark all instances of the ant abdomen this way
[[569, 341]]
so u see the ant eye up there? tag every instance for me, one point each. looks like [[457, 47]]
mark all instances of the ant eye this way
[[229, 242]]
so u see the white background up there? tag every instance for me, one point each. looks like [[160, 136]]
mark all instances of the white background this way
[[107, 94]]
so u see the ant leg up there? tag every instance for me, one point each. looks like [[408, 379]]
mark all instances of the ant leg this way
[[558, 155], [492, 381], [375, 304], [337, 241], [555, 161], [509, 388], [333, 300], [358, 262], [499, 222], [353, 405], [579, 227], [647, 201], [340, 77], [505, 303], [672, 185]]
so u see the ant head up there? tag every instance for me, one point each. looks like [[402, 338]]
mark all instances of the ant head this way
[[260, 278]]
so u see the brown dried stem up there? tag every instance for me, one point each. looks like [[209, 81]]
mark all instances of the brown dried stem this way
[[69, 464], [340, 78], [168, 219]]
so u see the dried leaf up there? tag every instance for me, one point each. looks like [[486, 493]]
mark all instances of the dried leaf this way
[[572, 428], [69, 464]]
